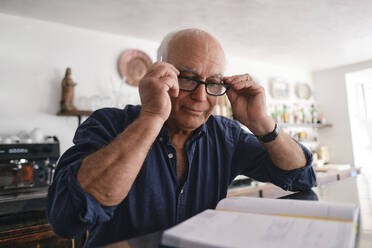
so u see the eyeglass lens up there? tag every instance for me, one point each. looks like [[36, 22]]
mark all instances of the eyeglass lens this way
[[189, 84]]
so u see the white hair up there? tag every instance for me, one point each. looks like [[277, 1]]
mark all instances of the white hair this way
[[162, 53]]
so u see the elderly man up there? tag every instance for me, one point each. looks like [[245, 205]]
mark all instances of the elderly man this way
[[149, 167]]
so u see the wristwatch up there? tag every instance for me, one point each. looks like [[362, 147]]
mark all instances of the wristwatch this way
[[270, 136]]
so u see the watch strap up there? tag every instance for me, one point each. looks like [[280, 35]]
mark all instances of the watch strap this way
[[270, 136]]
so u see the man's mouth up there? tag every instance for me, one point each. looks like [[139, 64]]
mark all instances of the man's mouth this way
[[193, 111]]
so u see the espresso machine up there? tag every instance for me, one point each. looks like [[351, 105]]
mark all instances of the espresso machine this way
[[26, 171]]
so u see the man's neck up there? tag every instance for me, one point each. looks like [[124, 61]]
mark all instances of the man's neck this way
[[177, 135]]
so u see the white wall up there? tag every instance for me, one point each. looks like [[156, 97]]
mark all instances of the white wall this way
[[33, 58], [263, 73], [331, 95], [34, 55]]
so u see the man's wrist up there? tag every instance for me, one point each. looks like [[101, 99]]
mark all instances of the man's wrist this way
[[270, 136], [262, 127], [154, 120]]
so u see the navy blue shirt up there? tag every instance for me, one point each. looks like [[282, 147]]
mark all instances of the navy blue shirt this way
[[217, 152]]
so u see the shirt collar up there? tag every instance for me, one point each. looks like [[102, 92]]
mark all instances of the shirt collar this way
[[200, 131], [163, 135], [197, 133]]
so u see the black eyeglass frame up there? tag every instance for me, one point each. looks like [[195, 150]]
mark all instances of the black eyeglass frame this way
[[227, 87]]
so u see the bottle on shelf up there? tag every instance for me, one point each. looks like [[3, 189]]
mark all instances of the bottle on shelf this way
[[303, 116], [276, 113], [285, 114], [321, 119], [314, 114], [296, 114], [300, 114]]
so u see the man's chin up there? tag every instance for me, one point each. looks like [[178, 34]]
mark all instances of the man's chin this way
[[191, 123]]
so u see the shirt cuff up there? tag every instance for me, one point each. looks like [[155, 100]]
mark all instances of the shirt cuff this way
[[300, 179]]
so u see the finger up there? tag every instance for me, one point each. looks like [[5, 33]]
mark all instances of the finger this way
[[168, 75], [160, 69], [229, 79], [170, 66], [172, 85], [157, 69], [231, 94], [244, 82], [163, 73], [174, 69], [244, 77], [238, 84]]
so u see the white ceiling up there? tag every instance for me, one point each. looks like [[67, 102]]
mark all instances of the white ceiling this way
[[312, 34]]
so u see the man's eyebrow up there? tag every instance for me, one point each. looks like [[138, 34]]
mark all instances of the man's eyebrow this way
[[193, 71], [188, 69], [218, 75]]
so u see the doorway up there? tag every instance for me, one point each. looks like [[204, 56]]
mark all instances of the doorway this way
[[359, 98]]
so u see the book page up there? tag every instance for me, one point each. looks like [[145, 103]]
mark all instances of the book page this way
[[329, 210], [234, 229]]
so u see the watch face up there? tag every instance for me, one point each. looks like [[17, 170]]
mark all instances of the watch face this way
[[303, 91]]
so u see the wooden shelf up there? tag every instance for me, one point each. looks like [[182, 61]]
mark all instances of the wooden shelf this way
[[313, 125], [78, 113], [75, 113]]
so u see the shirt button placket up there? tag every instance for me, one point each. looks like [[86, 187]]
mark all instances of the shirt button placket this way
[[180, 206]]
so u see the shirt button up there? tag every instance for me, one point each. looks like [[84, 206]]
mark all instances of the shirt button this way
[[181, 191], [161, 139], [170, 155]]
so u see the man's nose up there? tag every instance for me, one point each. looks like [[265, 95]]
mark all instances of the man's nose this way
[[199, 94]]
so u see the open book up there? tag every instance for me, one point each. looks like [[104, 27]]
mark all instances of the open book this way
[[260, 222]]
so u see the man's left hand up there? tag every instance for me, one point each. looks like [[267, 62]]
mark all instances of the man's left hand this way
[[248, 103]]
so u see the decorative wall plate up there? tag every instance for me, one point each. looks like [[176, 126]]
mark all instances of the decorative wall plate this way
[[133, 64], [279, 89], [303, 90]]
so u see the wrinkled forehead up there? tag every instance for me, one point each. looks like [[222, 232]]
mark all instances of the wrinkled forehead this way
[[200, 47]]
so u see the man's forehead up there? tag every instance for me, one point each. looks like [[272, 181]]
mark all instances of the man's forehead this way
[[194, 71], [188, 41]]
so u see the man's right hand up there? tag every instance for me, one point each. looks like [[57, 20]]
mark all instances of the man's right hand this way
[[159, 82], [109, 173]]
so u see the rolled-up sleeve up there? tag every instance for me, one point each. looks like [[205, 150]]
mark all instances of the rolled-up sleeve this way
[[70, 210], [253, 160]]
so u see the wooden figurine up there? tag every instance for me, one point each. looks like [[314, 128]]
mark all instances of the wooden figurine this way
[[68, 85]]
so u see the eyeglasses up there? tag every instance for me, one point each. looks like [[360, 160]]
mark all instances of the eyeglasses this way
[[213, 89]]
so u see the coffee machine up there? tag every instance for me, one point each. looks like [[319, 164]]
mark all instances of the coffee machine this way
[[26, 171]]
